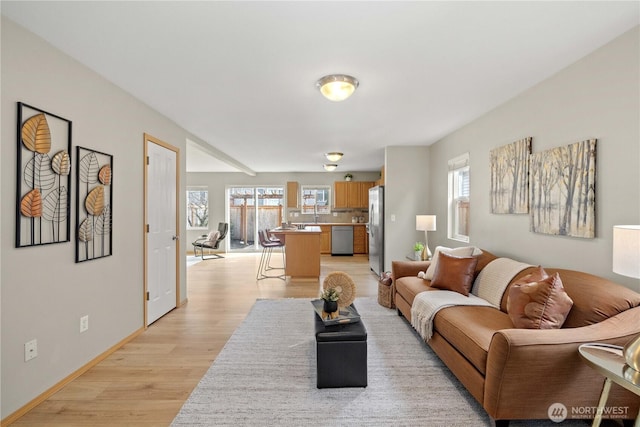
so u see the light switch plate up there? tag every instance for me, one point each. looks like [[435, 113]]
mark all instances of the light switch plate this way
[[84, 323]]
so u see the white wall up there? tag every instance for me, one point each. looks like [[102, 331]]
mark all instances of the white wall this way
[[597, 97], [406, 195], [44, 292]]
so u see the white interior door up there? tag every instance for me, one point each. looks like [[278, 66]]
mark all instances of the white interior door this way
[[162, 233]]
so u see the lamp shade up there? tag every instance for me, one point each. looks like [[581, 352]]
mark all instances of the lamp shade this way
[[337, 87], [626, 250], [426, 222]]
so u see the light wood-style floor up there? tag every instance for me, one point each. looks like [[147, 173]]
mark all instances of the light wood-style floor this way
[[146, 382]]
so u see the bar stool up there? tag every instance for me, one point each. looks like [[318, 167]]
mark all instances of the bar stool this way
[[265, 259]]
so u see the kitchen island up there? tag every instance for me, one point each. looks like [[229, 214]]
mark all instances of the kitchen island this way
[[301, 251]]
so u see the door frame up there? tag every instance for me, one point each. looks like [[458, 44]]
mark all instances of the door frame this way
[[150, 139]]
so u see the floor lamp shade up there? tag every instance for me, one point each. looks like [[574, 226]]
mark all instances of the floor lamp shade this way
[[626, 261], [626, 250]]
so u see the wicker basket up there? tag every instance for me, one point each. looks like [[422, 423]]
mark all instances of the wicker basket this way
[[385, 291]]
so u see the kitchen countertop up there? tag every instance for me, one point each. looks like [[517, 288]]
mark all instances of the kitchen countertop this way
[[329, 223], [310, 228]]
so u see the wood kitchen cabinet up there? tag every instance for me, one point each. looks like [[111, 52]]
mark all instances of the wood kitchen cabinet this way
[[360, 242], [364, 194], [325, 239], [341, 194], [351, 194], [293, 192]]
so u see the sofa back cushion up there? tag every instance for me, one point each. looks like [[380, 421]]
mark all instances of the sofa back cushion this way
[[594, 298], [495, 277], [483, 259]]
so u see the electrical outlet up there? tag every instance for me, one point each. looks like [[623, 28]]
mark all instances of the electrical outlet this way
[[84, 323], [295, 214], [335, 214], [30, 350]]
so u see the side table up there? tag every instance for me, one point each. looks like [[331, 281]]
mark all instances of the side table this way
[[609, 361]]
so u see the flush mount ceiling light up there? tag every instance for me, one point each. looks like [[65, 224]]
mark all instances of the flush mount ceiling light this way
[[337, 87], [330, 166], [333, 156]]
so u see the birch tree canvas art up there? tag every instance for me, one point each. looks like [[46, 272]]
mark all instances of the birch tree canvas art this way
[[43, 185], [510, 178], [563, 189]]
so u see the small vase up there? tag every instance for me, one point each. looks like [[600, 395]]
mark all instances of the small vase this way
[[417, 256], [330, 306]]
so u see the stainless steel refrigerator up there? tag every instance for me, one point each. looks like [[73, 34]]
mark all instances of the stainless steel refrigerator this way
[[376, 229]]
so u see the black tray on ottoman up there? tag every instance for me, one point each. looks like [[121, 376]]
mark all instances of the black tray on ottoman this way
[[341, 354], [345, 314]]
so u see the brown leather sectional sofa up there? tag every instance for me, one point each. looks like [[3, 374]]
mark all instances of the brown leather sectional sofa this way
[[518, 373]]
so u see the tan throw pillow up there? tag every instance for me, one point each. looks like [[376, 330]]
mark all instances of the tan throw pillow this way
[[459, 252], [454, 273], [541, 304], [213, 237]]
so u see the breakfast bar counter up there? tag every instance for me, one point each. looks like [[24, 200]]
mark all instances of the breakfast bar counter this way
[[301, 251]]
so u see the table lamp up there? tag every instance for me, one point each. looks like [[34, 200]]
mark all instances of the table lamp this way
[[426, 223], [626, 261]]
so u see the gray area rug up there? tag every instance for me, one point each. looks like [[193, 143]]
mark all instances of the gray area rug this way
[[265, 375]]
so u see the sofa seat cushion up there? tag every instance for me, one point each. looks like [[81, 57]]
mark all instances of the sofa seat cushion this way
[[408, 287], [469, 330]]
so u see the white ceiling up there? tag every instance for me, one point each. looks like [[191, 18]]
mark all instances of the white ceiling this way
[[240, 75]]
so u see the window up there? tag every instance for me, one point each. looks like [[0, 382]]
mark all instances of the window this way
[[459, 198], [316, 199], [197, 208]]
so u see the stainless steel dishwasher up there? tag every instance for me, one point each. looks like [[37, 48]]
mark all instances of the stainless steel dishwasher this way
[[342, 240]]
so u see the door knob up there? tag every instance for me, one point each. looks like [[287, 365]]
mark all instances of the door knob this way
[[176, 237]]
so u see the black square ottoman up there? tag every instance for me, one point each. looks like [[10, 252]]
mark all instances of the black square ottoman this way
[[341, 354]]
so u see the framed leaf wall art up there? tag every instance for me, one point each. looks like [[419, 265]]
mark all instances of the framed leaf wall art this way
[[94, 201], [43, 185]]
